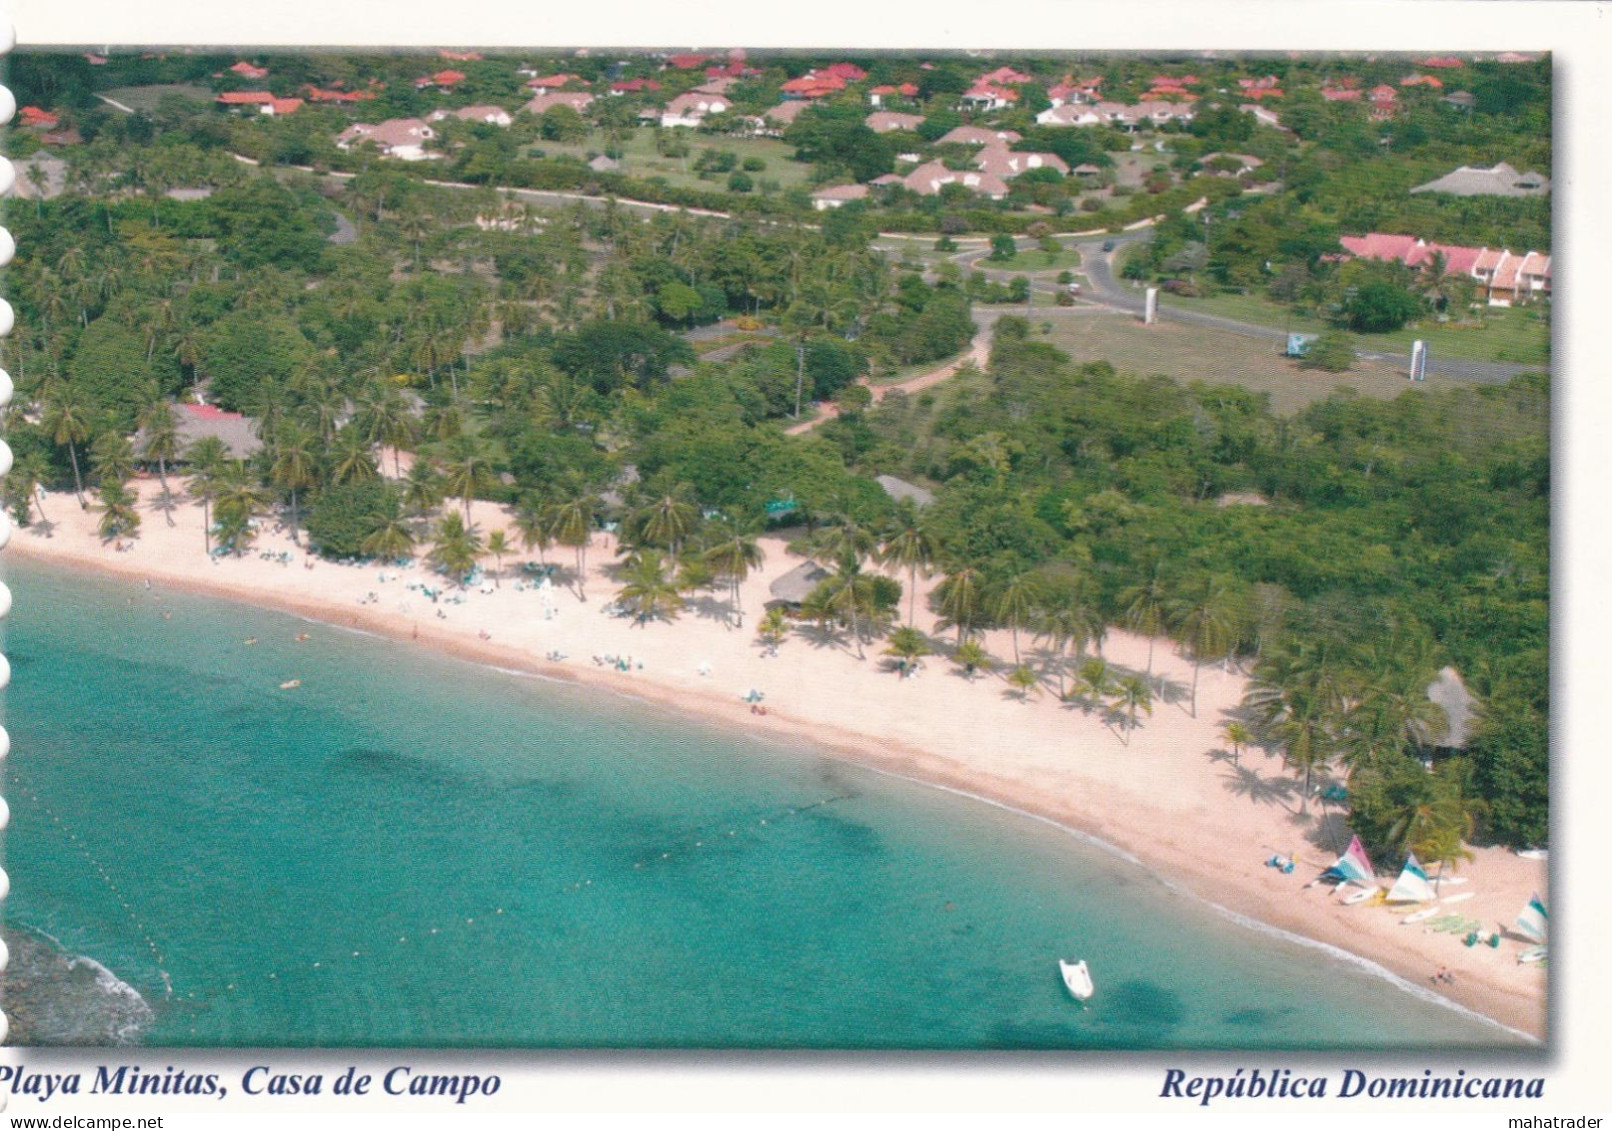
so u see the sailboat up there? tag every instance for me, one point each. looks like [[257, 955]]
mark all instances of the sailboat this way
[[1533, 924], [1413, 887], [1077, 978], [1354, 867]]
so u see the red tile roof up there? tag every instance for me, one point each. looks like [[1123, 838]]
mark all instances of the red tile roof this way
[[633, 86], [317, 95], [849, 72], [248, 71], [813, 85], [460, 56], [687, 62], [552, 81], [1440, 61], [1006, 75], [246, 98], [286, 105], [989, 90], [34, 116], [1421, 80], [1332, 95]]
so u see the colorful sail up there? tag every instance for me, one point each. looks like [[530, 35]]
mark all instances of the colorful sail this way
[[1412, 885], [1353, 866], [1534, 921]]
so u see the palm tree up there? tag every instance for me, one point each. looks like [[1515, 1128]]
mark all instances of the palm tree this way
[[846, 538], [118, 515], [498, 545], [392, 541], [667, 522], [1237, 736], [848, 593], [207, 457], [532, 524], [1392, 712], [1204, 619], [457, 547], [160, 427], [422, 489], [1068, 622], [384, 418], [959, 600], [1013, 606], [67, 423], [908, 646], [1023, 678], [112, 457], [24, 490], [773, 628], [469, 469], [732, 558], [649, 591], [1144, 610], [238, 499], [971, 656], [573, 526], [292, 464], [1130, 693], [1097, 679], [351, 460], [1304, 730], [908, 545]]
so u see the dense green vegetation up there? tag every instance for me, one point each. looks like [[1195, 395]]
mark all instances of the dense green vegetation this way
[[551, 360]]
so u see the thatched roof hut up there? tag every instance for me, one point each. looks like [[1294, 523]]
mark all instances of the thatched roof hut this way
[[796, 585]]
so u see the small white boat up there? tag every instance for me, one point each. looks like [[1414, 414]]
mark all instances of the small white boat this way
[[1534, 954], [1535, 854], [1362, 895], [1425, 913], [1077, 978], [1457, 898]]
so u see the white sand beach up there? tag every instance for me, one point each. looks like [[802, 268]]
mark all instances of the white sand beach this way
[[1168, 793]]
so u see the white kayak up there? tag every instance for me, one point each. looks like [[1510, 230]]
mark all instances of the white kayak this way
[[1425, 913], [1536, 954], [1458, 898], [1362, 895], [1077, 978]]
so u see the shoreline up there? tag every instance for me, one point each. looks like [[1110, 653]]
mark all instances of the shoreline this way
[[1157, 798]]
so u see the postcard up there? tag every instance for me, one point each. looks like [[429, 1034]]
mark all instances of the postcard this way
[[752, 548]]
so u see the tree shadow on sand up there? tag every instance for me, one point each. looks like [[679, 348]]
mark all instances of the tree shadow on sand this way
[[706, 607], [1244, 781]]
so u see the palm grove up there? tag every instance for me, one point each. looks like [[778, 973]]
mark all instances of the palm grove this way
[[532, 358]]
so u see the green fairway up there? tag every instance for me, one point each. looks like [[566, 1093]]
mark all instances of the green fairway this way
[[1520, 334], [1197, 353]]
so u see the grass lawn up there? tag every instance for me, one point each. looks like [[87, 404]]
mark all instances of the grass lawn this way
[[145, 98], [640, 160], [1197, 353], [1513, 334], [1037, 260]]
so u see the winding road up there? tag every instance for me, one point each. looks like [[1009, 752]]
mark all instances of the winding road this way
[[1106, 290]]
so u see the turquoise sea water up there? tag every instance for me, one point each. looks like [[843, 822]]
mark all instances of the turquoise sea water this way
[[408, 850]]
